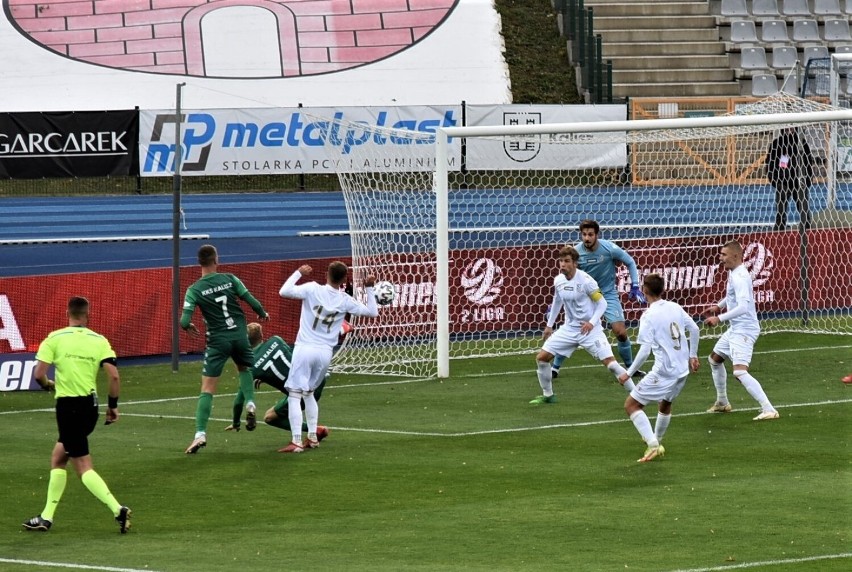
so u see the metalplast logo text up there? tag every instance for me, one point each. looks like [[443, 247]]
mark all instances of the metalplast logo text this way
[[203, 131]]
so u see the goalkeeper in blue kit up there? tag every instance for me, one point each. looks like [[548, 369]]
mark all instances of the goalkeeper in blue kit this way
[[271, 366], [598, 258]]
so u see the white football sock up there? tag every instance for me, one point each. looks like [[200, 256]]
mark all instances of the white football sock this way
[[311, 414], [754, 389], [545, 380], [720, 380], [294, 414], [617, 370], [661, 424], [643, 425]]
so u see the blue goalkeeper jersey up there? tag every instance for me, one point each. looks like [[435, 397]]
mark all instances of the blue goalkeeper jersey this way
[[600, 264]]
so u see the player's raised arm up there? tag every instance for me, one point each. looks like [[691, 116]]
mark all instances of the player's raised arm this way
[[289, 288]]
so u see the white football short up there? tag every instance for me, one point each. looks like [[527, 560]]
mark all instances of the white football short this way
[[653, 389], [308, 367], [564, 341], [735, 347]]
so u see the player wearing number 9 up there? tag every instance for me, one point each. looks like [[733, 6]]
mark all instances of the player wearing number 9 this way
[[324, 307]]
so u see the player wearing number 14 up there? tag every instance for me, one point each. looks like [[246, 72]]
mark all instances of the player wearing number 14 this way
[[324, 307]]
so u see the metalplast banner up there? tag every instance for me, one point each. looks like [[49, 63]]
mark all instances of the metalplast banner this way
[[293, 140], [548, 151], [68, 144]]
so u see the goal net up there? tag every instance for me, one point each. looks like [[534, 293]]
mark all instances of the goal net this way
[[468, 228]]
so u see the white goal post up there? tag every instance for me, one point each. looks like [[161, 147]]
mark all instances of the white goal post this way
[[471, 246]]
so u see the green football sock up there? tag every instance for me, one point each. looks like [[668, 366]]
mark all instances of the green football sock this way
[[247, 386], [202, 412], [99, 488], [239, 401], [55, 488]]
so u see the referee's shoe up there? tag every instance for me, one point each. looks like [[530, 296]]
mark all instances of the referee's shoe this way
[[123, 519], [39, 524]]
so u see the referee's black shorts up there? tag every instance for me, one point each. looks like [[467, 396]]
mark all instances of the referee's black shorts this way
[[76, 418]]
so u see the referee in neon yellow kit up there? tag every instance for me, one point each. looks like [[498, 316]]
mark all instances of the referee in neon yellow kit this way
[[77, 353]]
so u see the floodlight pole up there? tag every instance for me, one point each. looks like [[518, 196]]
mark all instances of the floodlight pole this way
[[176, 188]]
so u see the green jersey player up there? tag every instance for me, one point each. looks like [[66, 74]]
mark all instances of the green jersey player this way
[[271, 366], [218, 295]]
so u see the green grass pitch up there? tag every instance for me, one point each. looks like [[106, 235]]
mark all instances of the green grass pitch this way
[[457, 474]]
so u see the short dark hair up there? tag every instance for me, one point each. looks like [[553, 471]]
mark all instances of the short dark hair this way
[[78, 306], [655, 284], [337, 272], [569, 252], [589, 223], [207, 255]]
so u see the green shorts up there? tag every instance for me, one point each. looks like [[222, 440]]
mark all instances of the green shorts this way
[[218, 352]]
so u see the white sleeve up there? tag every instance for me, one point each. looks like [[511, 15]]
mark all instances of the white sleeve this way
[[289, 288], [692, 331], [555, 308], [639, 359], [600, 310], [371, 309]]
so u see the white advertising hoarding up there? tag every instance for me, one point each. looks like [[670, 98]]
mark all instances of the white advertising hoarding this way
[[292, 140], [557, 151]]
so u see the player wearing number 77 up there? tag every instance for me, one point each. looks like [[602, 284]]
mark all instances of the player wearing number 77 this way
[[218, 295], [272, 359], [324, 307]]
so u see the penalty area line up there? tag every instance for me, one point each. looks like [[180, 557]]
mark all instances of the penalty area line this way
[[767, 563], [70, 565]]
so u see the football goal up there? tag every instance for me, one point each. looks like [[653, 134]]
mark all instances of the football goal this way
[[466, 222]]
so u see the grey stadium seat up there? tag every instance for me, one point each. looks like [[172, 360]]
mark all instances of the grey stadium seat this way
[[795, 8], [774, 31], [806, 30], [847, 7], [753, 59], [836, 30], [827, 8], [743, 31], [734, 9], [764, 84], [764, 8], [843, 49], [784, 57], [814, 52]]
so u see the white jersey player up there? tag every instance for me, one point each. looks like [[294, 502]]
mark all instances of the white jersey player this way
[[736, 344], [668, 332], [578, 294], [324, 307]]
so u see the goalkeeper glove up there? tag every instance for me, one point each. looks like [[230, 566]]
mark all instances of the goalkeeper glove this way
[[636, 295]]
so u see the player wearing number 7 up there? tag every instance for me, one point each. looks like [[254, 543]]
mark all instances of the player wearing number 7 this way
[[324, 307], [218, 295]]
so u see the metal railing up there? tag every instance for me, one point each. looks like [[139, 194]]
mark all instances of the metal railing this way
[[585, 50]]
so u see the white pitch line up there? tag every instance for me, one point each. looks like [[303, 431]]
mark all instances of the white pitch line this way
[[768, 563], [72, 566], [494, 431]]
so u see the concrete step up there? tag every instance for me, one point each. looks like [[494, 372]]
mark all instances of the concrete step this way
[[676, 89], [653, 23], [671, 75], [690, 62], [623, 34], [658, 9], [615, 49]]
